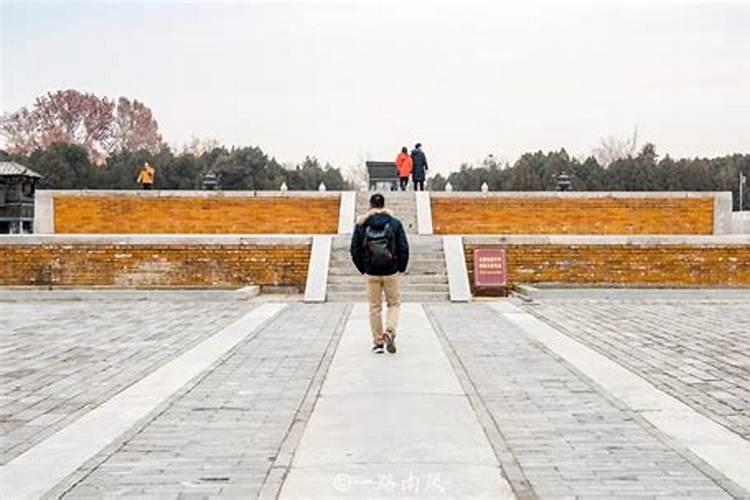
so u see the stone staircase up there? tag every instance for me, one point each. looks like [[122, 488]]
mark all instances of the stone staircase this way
[[403, 204], [425, 280]]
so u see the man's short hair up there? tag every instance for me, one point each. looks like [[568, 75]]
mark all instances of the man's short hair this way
[[377, 201]]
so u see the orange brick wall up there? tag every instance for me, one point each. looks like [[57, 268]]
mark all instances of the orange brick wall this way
[[624, 265], [154, 266], [501, 215], [187, 215]]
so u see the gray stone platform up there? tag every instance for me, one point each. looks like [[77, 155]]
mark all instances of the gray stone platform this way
[[579, 397]]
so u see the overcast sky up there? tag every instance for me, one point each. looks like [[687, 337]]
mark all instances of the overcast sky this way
[[345, 80]]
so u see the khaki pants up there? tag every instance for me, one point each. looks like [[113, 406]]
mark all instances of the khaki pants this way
[[376, 287]]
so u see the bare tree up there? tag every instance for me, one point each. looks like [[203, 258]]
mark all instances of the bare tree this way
[[134, 128], [197, 146], [72, 117], [613, 148], [357, 173]]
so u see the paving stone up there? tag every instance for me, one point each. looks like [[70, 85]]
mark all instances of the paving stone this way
[[567, 437], [60, 359], [695, 350], [223, 434]]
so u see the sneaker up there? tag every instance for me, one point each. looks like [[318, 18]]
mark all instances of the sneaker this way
[[378, 349], [390, 342]]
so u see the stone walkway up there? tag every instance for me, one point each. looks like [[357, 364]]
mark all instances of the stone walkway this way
[[698, 351], [393, 426], [263, 400]]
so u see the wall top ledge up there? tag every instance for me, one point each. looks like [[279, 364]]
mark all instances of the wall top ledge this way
[[635, 240], [582, 194], [125, 193], [155, 239], [294, 239]]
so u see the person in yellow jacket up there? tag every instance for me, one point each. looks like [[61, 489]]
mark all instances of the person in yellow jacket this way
[[404, 166], [146, 176]]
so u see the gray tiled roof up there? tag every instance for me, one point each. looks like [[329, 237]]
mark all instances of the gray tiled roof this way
[[13, 168]]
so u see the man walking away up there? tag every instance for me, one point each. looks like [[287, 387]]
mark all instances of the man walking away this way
[[146, 176], [419, 168], [380, 250], [404, 165]]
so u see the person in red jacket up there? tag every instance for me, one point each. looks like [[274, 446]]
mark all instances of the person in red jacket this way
[[404, 165]]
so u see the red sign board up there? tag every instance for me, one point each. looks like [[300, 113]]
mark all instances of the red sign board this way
[[490, 270]]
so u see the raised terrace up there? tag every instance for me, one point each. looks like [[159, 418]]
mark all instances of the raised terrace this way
[[299, 240]]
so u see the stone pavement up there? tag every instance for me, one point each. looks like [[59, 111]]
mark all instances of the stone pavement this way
[[58, 360], [222, 435], [695, 350], [561, 435], [393, 426], [481, 401]]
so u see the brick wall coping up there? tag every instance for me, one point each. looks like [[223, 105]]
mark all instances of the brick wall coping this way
[[336, 194], [295, 239], [157, 193], [647, 240], [583, 194], [156, 239]]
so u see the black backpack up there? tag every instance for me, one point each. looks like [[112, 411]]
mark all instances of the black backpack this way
[[380, 247]]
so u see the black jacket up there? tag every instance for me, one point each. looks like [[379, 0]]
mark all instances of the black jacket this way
[[419, 164], [378, 218]]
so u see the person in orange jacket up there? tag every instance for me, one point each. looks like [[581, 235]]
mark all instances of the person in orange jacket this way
[[404, 165], [146, 176]]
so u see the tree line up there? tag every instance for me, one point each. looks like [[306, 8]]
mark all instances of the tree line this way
[[78, 140], [82, 141], [68, 166], [644, 171]]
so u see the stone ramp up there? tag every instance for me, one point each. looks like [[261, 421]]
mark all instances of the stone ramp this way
[[393, 426], [426, 279]]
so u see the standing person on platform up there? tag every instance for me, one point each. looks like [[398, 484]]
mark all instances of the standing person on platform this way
[[146, 176], [419, 167], [404, 166], [380, 250]]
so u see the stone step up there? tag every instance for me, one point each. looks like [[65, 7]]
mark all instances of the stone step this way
[[426, 277], [405, 278], [360, 288], [415, 263], [419, 251], [410, 278], [405, 297], [411, 272], [414, 240], [415, 256]]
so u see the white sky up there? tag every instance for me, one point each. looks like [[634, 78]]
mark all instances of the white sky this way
[[345, 80]]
